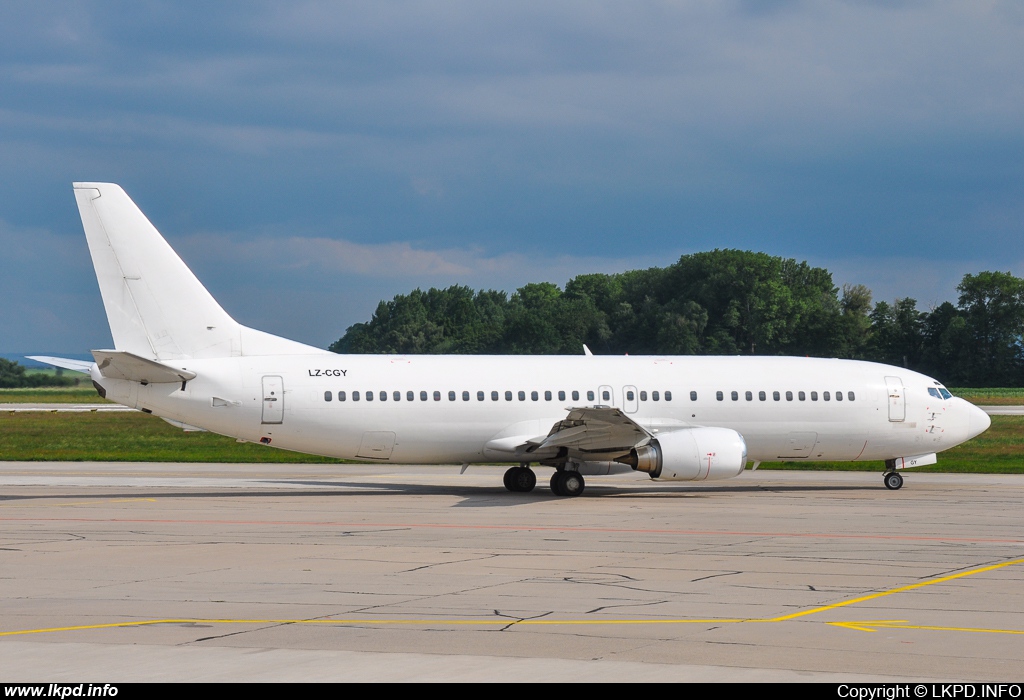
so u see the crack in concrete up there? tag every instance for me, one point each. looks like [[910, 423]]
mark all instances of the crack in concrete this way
[[445, 563], [705, 578]]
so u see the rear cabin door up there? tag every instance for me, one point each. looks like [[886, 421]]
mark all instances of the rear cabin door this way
[[273, 399], [897, 403]]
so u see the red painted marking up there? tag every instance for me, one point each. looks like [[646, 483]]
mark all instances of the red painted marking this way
[[517, 528]]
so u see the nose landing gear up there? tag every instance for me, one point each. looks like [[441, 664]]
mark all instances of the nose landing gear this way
[[893, 480]]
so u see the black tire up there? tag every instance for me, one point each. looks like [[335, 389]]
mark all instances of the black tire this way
[[523, 479], [507, 479], [893, 481], [572, 484], [556, 480]]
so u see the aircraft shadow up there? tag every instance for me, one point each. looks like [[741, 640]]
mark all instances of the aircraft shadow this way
[[472, 496]]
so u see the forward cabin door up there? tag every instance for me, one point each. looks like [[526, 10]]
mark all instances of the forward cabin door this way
[[273, 399], [897, 403]]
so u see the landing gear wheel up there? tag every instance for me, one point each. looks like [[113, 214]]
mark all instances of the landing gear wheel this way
[[520, 479], [893, 481], [572, 484], [569, 484]]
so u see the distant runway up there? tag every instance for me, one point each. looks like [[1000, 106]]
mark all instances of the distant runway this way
[[63, 407], [121, 572]]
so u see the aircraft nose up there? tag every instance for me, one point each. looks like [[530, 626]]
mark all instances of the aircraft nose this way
[[977, 421]]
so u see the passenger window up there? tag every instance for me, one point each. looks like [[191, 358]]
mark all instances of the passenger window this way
[[328, 396], [451, 395], [369, 396], [654, 395], [423, 396], [355, 395], [437, 396], [561, 396], [761, 396], [839, 396], [720, 396], [825, 396], [534, 396], [590, 396], [749, 396], [383, 396], [479, 396], [409, 396], [789, 396], [735, 396], [547, 395], [775, 396], [605, 396], [801, 395], [397, 396], [508, 395], [643, 395], [575, 396], [693, 396], [630, 395], [814, 396], [668, 396], [465, 396], [341, 396], [522, 396], [494, 396], [850, 395]]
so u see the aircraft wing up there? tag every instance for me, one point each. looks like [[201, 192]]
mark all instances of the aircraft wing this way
[[125, 365], [594, 429]]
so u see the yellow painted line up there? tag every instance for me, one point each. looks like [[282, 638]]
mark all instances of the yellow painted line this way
[[875, 625], [37, 504], [894, 591], [502, 622], [863, 625]]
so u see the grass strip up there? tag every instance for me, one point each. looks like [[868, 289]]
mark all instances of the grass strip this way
[[125, 437], [137, 437]]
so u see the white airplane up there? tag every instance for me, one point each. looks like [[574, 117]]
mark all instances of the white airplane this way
[[180, 356]]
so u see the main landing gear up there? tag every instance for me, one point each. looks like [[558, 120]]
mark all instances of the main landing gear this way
[[520, 479], [893, 480], [566, 483]]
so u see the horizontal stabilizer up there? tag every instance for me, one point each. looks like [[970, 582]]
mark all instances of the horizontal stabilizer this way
[[124, 365], [64, 363]]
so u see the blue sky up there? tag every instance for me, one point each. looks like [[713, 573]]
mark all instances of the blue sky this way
[[308, 159]]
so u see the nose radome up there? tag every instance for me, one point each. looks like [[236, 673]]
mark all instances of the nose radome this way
[[977, 422]]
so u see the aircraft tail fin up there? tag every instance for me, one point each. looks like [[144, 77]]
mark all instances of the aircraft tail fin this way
[[156, 307]]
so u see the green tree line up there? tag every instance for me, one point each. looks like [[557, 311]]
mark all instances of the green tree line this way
[[721, 302], [13, 376]]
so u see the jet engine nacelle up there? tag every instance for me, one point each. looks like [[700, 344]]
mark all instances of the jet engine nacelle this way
[[693, 454]]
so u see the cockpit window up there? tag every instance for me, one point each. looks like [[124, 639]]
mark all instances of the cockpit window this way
[[934, 392], [945, 393]]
